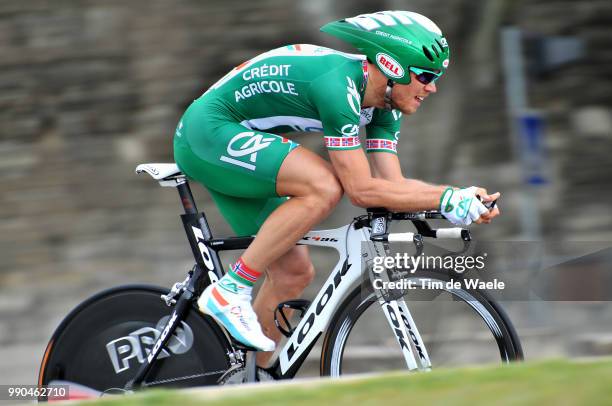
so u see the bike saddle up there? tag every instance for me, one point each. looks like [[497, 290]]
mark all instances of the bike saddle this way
[[158, 171]]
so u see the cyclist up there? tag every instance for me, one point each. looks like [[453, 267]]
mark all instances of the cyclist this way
[[268, 185]]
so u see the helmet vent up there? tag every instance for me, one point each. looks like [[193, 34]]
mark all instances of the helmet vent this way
[[440, 45], [427, 53], [433, 46]]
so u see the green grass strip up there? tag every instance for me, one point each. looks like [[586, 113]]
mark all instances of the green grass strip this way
[[557, 382]]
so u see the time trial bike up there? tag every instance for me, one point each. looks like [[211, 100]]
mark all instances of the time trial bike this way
[[140, 336]]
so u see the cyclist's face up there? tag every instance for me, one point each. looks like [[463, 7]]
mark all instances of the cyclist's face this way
[[408, 98]]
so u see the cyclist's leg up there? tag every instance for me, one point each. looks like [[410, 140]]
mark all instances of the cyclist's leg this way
[[238, 166], [314, 191], [286, 279]]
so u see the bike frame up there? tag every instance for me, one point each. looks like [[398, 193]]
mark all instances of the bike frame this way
[[346, 275]]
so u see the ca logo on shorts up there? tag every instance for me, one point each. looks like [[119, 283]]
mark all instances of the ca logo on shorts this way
[[255, 143]]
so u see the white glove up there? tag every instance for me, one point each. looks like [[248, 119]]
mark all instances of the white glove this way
[[461, 207]]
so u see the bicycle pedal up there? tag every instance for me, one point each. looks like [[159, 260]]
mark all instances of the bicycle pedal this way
[[296, 304], [243, 347]]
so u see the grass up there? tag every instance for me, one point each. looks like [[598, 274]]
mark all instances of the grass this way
[[545, 383]]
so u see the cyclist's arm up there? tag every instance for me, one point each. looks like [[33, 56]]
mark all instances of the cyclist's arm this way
[[387, 166], [364, 190]]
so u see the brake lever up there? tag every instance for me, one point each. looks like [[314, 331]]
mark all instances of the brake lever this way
[[418, 244]]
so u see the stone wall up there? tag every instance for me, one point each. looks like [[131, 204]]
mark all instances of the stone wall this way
[[575, 102]]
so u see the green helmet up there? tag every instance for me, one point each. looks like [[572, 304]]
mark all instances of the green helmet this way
[[395, 41]]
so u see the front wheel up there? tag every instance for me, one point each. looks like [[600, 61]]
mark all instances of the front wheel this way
[[456, 326], [102, 343]]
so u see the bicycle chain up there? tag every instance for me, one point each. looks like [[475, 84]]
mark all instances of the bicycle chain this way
[[236, 376], [182, 378]]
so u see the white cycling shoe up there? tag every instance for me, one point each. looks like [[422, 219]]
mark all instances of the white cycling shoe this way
[[234, 312]]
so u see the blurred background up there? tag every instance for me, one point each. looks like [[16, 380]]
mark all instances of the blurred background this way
[[89, 89]]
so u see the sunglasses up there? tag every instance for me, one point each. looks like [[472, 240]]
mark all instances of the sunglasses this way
[[425, 76]]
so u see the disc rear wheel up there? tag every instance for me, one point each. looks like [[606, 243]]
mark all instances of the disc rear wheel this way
[[102, 343]]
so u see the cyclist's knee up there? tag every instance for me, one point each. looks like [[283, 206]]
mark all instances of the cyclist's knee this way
[[292, 273], [302, 274], [291, 283], [327, 191]]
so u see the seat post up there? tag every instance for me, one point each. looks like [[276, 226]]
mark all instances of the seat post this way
[[190, 207], [200, 246], [187, 198]]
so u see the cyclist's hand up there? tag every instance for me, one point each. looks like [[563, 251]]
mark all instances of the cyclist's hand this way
[[461, 206], [487, 199]]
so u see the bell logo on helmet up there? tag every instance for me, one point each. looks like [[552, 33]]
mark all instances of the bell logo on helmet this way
[[389, 66], [445, 63]]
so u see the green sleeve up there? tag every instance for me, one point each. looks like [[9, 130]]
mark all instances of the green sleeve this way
[[336, 98], [383, 131]]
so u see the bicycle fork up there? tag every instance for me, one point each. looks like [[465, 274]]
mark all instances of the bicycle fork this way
[[406, 333], [394, 308]]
